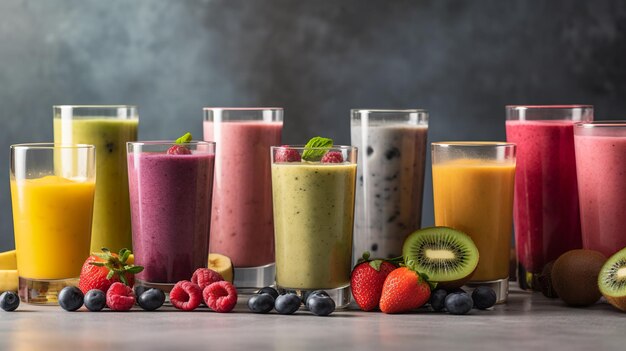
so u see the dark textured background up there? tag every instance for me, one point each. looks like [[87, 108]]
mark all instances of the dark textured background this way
[[462, 60]]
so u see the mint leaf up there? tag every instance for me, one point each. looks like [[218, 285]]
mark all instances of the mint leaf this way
[[317, 142], [184, 139]]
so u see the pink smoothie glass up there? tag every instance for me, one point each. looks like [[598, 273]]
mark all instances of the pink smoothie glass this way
[[170, 203], [242, 225], [601, 166], [546, 214]]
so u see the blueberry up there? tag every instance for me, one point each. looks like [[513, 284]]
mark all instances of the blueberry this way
[[151, 299], [9, 301], [261, 303], [140, 289], [458, 303], [484, 297], [269, 290], [307, 296], [70, 298], [321, 305], [437, 299], [95, 300], [288, 303]]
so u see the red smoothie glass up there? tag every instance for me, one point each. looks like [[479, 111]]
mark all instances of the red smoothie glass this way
[[170, 198], [546, 214], [601, 166], [242, 225]]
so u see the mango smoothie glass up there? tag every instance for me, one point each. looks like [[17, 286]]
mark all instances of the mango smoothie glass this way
[[52, 192], [601, 166], [313, 222], [473, 192], [108, 128]]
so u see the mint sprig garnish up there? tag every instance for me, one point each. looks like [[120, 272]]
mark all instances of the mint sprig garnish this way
[[184, 139], [320, 147]]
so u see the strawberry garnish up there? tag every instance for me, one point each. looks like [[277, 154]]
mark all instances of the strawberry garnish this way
[[102, 269], [404, 290], [367, 279]]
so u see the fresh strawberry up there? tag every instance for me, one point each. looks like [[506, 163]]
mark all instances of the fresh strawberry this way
[[404, 290], [186, 295], [286, 154], [220, 296], [120, 297], [100, 270], [204, 277], [178, 150], [332, 157], [367, 281]]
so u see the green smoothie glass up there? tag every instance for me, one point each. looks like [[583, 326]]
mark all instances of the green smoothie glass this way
[[108, 128], [313, 196]]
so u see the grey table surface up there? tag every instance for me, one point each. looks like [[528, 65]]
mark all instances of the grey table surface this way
[[528, 321]]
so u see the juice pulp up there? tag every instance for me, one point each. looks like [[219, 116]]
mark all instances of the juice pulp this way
[[546, 212], [476, 197], [313, 217], [601, 165], [111, 217], [52, 221], [242, 225]]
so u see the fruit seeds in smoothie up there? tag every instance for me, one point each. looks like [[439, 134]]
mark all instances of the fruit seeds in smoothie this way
[[111, 218]]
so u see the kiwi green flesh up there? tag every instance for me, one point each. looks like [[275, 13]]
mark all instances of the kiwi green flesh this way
[[443, 254], [612, 278]]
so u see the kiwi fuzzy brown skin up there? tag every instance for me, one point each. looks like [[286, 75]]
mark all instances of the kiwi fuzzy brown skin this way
[[575, 277], [545, 281]]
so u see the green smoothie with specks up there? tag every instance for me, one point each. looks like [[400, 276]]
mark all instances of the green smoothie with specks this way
[[111, 217], [313, 223]]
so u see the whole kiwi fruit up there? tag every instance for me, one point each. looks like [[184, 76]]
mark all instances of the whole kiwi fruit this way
[[545, 281], [612, 280], [445, 255], [575, 277]]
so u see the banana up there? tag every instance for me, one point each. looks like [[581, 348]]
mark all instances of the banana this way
[[8, 260], [8, 280], [222, 265]]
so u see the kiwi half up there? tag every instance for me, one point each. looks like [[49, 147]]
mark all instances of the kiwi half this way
[[612, 280], [447, 256]]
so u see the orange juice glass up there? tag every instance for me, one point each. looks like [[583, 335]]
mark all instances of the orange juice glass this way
[[52, 191], [473, 193]]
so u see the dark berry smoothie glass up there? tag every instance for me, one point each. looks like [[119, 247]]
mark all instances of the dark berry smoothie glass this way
[[601, 166], [546, 212], [170, 196], [390, 178], [242, 223]]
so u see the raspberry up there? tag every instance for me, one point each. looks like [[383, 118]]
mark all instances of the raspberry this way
[[204, 277], [178, 150], [120, 297], [220, 296], [332, 157], [186, 295], [285, 154]]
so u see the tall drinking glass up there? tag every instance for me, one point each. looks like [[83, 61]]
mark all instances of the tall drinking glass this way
[[313, 221], [52, 192], [473, 191], [390, 178], [547, 217], [170, 197], [108, 128], [242, 223], [601, 167]]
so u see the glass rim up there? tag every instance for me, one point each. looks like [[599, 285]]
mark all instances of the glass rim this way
[[546, 107], [50, 146], [303, 147], [242, 109], [410, 110], [601, 124], [473, 144], [169, 142], [96, 106]]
